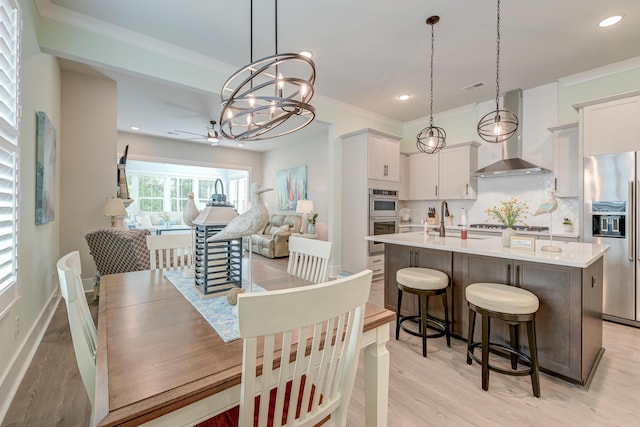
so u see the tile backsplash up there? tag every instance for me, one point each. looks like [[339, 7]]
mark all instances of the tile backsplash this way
[[532, 189]]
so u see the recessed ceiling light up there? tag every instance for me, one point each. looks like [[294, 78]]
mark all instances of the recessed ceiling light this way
[[403, 97], [307, 54], [134, 128], [612, 20]]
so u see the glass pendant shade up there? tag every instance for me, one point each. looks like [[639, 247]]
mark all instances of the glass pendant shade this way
[[269, 97], [431, 139], [498, 125]]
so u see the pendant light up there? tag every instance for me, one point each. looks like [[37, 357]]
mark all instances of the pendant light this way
[[431, 139], [499, 125], [269, 97]]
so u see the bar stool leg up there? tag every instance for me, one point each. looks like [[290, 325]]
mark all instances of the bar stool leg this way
[[486, 333], [423, 300], [446, 319], [398, 308], [472, 326], [533, 354], [513, 333]]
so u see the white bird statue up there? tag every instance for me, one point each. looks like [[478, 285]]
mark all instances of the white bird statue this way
[[190, 211], [549, 205], [251, 222]]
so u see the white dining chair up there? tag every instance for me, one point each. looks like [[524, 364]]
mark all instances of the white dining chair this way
[[309, 259], [317, 374], [83, 330], [170, 251]]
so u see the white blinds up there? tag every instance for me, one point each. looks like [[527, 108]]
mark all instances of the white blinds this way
[[10, 25]]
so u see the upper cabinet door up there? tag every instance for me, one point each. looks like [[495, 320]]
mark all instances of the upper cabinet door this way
[[455, 166], [423, 176], [611, 127], [566, 160], [384, 158]]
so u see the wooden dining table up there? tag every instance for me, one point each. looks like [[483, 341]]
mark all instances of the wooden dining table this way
[[160, 363]]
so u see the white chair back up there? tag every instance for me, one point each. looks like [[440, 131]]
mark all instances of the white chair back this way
[[170, 251], [321, 377], [83, 330], [309, 259]]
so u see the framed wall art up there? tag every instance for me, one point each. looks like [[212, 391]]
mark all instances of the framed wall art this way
[[45, 168], [291, 186]]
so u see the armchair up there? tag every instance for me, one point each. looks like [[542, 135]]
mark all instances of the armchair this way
[[273, 242]]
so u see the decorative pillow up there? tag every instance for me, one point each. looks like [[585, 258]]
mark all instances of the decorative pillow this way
[[282, 229], [143, 220]]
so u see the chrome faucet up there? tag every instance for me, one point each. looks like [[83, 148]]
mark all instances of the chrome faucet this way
[[443, 208]]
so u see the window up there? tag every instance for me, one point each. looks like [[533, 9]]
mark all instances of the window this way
[[161, 187], [10, 24]]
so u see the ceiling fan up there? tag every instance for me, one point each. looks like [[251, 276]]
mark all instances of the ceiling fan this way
[[211, 136]]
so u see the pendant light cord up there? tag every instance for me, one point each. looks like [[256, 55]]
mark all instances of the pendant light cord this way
[[431, 89], [276, 29], [498, 60]]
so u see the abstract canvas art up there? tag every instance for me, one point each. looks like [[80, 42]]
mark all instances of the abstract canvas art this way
[[291, 186], [45, 168]]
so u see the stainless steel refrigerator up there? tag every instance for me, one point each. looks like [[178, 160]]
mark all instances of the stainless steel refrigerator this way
[[611, 217]]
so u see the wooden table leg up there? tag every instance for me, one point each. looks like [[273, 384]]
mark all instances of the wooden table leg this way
[[376, 378]]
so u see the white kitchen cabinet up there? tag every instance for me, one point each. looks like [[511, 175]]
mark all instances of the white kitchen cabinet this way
[[444, 175], [423, 176], [566, 160], [611, 125], [403, 187], [455, 166], [383, 157], [360, 151]]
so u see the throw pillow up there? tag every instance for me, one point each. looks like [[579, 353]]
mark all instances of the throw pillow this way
[[143, 220]]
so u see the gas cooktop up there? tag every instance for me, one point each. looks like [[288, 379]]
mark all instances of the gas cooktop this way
[[515, 227]]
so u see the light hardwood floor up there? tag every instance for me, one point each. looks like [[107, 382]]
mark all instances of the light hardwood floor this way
[[441, 390]]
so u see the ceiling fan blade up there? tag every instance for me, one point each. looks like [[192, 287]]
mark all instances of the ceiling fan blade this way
[[190, 133]]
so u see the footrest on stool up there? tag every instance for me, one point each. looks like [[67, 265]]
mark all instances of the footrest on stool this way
[[508, 349], [439, 326]]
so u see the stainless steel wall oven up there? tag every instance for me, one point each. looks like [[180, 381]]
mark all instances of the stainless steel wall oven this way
[[383, 215]]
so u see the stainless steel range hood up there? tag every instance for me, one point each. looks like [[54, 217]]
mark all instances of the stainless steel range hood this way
[[512, 162]]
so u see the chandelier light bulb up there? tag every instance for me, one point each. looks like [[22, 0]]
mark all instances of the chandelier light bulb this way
[[252, 100]]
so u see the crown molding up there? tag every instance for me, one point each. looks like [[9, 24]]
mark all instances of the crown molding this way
[[604, 71]]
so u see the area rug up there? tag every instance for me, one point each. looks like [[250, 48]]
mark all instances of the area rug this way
[[215, 310]]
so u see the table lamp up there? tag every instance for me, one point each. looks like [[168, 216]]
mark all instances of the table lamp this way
[[304, 207], [114, 208]]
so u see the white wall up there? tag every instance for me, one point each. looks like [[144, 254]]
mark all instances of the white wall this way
[[314, 153], [87, 160]]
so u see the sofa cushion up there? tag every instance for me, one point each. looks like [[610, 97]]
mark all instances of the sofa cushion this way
[[282, 229], [143, 220]]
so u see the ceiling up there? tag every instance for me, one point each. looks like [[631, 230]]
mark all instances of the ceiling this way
[[367, 51]]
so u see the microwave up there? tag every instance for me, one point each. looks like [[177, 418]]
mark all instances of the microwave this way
[[383, 203]]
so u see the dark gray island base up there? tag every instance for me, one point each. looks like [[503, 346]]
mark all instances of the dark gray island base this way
[[569, 321]]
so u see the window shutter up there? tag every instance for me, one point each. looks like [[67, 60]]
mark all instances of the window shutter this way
[[10, 26]]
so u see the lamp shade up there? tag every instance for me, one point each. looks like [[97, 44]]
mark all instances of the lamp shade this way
[[114, 207], [304, 206]]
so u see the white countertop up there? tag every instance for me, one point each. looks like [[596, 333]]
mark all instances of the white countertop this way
[[415, 225], [574, 254]]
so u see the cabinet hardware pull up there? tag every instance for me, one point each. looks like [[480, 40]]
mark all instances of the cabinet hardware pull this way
[[632, 202], [508, 281], [467, 190], [517, 276], [436, 191], [593, 281], [555, 184]]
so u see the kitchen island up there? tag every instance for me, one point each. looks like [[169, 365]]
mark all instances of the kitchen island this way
[[568, 284]]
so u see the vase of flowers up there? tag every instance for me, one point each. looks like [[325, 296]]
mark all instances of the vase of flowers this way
[[567, 225], [508, 213], [166, 219], [312, 217]]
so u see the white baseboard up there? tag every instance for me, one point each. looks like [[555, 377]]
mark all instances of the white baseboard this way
[[22, 359]]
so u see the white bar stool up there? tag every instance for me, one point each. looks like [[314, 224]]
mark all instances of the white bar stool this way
[[423, 282], [514, 306]]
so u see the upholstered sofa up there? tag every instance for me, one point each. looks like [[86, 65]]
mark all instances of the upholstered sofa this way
[[273, 242]]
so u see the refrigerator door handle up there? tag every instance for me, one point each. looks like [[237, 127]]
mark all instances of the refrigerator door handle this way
[[632, 212]]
